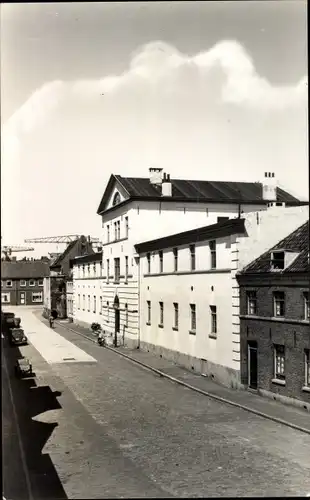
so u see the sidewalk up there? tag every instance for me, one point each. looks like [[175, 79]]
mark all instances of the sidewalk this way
[[274, 410]]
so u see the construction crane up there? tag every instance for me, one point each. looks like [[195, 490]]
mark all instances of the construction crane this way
[[7, 250], [67, 238]]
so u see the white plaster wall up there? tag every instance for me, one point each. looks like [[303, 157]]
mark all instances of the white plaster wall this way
[[178, 288], [87, 287]]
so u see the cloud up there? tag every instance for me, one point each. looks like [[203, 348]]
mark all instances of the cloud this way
[[158, 63]]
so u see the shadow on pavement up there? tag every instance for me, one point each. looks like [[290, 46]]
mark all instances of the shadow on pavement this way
[[30, 401]]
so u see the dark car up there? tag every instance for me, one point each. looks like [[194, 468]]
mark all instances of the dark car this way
[[18, 337]]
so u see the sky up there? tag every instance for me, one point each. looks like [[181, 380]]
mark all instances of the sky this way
[[204, 90]]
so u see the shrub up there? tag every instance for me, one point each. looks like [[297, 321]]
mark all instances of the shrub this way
[[95, 327]]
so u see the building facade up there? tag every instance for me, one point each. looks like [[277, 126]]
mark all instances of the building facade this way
[[22, 282], [133, 210], [55, 284], [275, 320]]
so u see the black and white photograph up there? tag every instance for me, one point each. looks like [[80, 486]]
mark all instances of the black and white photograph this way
[[155, 270]]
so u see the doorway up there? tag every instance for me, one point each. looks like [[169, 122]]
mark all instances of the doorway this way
[[252, 364], [22, 298]]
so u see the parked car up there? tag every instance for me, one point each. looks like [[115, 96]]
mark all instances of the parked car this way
[[18, 337]]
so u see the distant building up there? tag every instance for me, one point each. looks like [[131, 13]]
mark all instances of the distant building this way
[[60, 273], [22, 282], [86, 289], [275, 320]]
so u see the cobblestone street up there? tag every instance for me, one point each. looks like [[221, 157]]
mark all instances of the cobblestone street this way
[[125, 432]]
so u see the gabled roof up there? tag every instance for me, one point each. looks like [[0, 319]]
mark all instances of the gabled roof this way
[[139, 188], [213, 231], [58, 260], [298, 242], [21, 269]]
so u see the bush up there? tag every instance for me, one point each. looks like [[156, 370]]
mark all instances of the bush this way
[[95, 327]]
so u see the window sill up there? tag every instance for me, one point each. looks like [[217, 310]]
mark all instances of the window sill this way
[[278, 381], [212, 336], [160, 326], [148, 323], [175, 329], [192, 332], [306, 388]]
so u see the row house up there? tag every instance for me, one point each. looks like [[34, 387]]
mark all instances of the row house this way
[[22, 282], [275, 320], [137, 210], [55, 284]]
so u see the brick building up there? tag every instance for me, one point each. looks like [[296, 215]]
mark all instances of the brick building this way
[[274, 320], [22, 281]]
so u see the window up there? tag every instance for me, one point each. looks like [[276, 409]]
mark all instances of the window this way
[[1, 283], [100, 304], [5, 298], [9, 283], [279, 362], [175, 255], [108, 270], [108, 312], [79, 302], [88, 304], [94, 303], [306, 305], [83, 270], [108, 233], [83, 302], [126, 227], [212, 246], [277, 260], [307, 367], [213, 320], [279, 304], [161, 314], [23, 283], [148, 258], [116, 270], [176, 316], [40, 282], [94, 269], [251, 303], [116, 199], [126, 268], [148, 302], [88, 270], [126, 315], [192, 250], [117, 230], [161, 261], [37, 297], [32, 283], [193, 317]]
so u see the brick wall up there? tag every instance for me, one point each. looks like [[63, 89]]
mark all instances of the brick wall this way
[[294, 335]]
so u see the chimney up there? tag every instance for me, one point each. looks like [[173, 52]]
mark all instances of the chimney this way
[[269, 187], [156, 175], [166, 187]]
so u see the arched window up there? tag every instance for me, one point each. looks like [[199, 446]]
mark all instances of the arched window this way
[[116, 199]]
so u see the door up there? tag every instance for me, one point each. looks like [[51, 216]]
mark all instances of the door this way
[[22, 298], [252, 364]]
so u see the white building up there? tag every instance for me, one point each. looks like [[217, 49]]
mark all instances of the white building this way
[[189, 295], [138, 209]]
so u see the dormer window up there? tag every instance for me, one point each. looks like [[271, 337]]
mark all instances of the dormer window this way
[[277, 261], [116, 199]]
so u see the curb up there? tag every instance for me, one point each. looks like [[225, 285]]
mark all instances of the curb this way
[[193, 388]]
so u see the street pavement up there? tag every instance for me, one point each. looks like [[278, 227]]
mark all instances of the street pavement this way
[[111, 429]]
